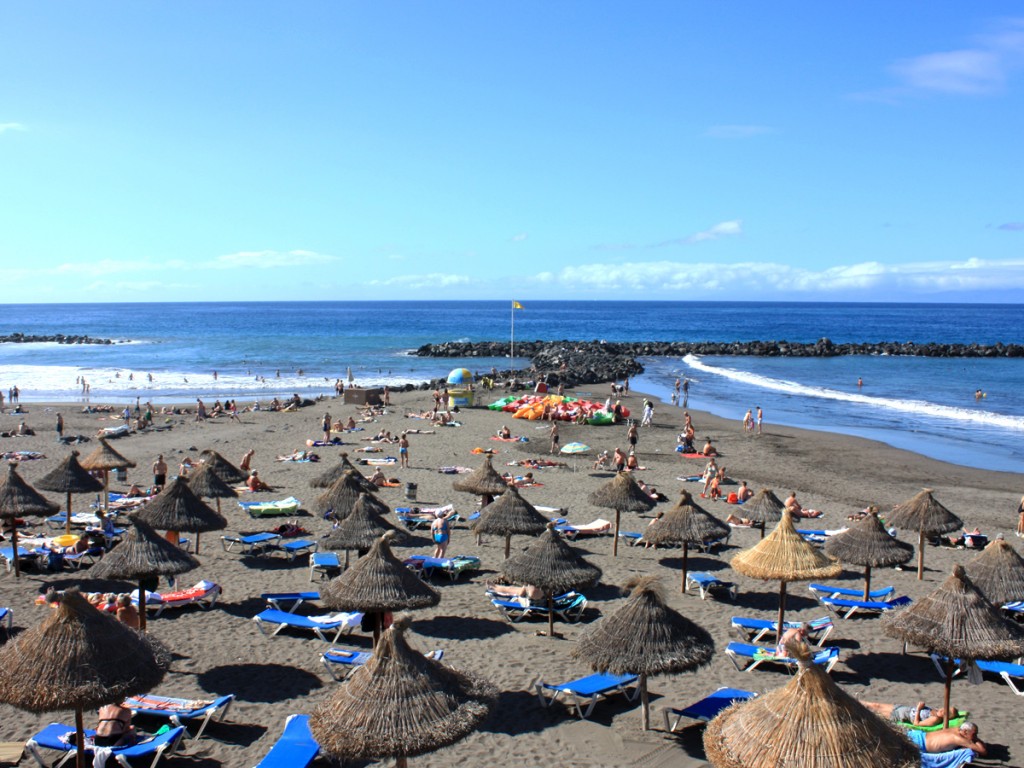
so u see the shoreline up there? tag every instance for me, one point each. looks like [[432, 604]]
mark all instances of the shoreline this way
[[219, 651]]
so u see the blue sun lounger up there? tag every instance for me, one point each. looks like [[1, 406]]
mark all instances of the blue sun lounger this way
[[277, 600], [347, 660], [753, 630], [587, 691], [51, 738], [324, 564], [295, 547], [568, 607], [296, 748], [824, 590], [747, 658], [844, 609], [453, 566], [254, 544], [336, 622], [7, 553], [1012, 674], [706, 583], [6, 620], [180, 711], [705, 709]]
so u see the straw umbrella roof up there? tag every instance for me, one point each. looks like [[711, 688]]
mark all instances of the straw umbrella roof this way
[[763, 507], [378, 582], [342, 496], [400, 704], [810, 721], [783, 555], [224, 469], [207, 484], [78, 657], [19, 499], [957, 621], [685, 522], [69, 477], [510, 514], [142, 554], [105, 458], [482, 481], [998, 572], [622, 494], [362, 528], [644, 636], [550, 564], [867, 543], [177, 508], [923, 513], [328, 477]]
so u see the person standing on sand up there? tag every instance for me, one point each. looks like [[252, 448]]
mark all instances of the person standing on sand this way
[[760, 416], [60, 427], [325, 425], [1020, 517], [403, 451], [686, 392], [160, 472], [748, 420], [632, 436], [554, 437]]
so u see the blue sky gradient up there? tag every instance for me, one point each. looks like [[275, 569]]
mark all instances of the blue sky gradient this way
[[572, 150]]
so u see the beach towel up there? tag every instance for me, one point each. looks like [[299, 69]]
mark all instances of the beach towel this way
[[322, 443], [488, 451], [378, 462], [514, 439], [23, 455], [454, 470]]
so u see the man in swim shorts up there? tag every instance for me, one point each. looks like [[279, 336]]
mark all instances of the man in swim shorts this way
[[918, 714], [948, 739], [403, 451], [160, 472]]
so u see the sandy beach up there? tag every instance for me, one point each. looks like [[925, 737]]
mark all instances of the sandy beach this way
[[220, 651]]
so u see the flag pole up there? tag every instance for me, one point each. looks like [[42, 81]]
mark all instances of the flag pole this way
[[512, 339]]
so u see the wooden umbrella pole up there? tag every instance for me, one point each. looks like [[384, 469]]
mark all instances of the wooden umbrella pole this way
[[945, 701], [67, 522], [867, 582], [79, 738], [508, 544], [142, 606], [378, 620], [645, 704], [551, 615], [782, 612], [686, 546], [920, 555], [401, 762], [106, 492], [763, 526], [197, 542], [615, 541], [14, 547]]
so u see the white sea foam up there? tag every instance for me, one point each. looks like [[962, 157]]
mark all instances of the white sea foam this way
[[920, 407]]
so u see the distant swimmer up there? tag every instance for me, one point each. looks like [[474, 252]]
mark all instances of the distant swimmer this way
[[978, 394], [860, 382]]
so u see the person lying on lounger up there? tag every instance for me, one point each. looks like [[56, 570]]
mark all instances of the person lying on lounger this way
[[514, 590], [919, 714], [115, 727]]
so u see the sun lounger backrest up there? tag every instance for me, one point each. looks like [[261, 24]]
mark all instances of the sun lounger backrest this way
[[295, 749]]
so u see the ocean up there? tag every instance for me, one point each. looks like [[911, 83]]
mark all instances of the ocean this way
[[926, 405]]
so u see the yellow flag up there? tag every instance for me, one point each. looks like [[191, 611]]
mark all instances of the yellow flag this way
[[516, 305]]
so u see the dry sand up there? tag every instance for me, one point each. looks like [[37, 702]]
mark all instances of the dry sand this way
[[220, 651]]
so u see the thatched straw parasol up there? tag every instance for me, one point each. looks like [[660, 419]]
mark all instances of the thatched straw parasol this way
[[19, 499], [207, 484], [998, 572], [69, 477], [364, 527], [926, 516], [956, 621], [143, 554], [79, 658], [400, 704], [867, 543], [645, 637], [484, 481], [685, 522], [378, 582], [104, 459], [328, 477], [551, 565], [810, 721], [783, 555], [177, 508], [622, 494], [341, 497], [510, 514], [223, 468], [763, 507]]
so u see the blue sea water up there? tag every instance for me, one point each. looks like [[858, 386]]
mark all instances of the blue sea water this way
[[923, 404]]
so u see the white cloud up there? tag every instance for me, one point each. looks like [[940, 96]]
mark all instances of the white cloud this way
[[271, 259], [433, 280], [5, 127], [751, 279], [736, 131], [520, 237], [979, 69], [722, 229]]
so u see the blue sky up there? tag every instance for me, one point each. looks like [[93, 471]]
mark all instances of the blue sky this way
[[575, 150]]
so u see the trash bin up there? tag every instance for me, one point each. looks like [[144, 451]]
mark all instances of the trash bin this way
[[121, 475], [410, 491]]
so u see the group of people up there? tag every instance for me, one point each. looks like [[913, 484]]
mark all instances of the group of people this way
[[752, 422]]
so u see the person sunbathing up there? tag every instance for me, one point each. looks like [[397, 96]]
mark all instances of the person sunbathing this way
[[797, 510], [514, 590], [127, 613], [918, 714], [973, 538], [948, 739], [114, 728], [743, 492], [798, 634], [602, 460], [378, 478], [505, 433], [255, 484], [740, 522], [709, 449], [632, 464]]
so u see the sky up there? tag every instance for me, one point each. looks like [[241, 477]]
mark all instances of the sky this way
[[807, 151]]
